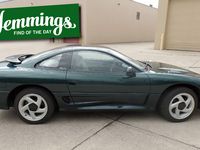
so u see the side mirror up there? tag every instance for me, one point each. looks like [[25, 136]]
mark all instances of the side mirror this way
[[130, 72]]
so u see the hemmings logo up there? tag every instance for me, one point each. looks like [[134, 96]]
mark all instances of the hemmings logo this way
[[34, 23], [37, 21]]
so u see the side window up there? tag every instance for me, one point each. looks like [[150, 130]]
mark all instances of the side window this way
[[93, 61], [61, 61], [52, 62]]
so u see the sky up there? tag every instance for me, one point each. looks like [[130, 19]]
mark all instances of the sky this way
[[3, 1], [148, 2]]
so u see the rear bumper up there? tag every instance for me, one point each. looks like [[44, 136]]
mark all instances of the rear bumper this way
[[3, 100]]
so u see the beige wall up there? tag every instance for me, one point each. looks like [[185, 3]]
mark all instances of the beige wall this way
[[102, 21], [178, 25], [111, 21]]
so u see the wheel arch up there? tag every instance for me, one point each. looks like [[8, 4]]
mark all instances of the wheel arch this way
[[194, 88], [11, 96]]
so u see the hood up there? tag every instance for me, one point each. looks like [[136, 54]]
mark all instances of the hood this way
[[159, 67]]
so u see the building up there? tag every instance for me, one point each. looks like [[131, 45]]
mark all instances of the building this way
[[102, 21], [178, 25]]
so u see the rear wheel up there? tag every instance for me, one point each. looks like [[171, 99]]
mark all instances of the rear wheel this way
[[178, 104], [34, 105]]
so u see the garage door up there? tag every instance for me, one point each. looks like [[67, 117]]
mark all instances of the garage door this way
[[183, 25]]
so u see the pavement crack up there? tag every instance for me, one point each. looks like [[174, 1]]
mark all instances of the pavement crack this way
[[95, 133], [163, 136]]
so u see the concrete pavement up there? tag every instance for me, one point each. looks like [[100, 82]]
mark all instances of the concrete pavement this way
[[103, 130]]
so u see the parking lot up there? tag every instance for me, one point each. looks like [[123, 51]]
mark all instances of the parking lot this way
[[106, 130]]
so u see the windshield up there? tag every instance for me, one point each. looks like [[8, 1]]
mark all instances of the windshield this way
[[139, 63], [136, 63]]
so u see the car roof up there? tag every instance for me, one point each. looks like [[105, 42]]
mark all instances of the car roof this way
[[74, 48], [78, 47]]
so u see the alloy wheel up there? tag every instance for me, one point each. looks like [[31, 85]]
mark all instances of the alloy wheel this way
[[32, 107], [182, 106]]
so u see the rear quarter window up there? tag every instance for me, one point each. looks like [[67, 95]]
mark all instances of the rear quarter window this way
[[60, 61]]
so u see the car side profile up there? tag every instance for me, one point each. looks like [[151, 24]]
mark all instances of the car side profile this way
[[81, 78]]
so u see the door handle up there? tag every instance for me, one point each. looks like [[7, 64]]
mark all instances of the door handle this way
[[71, 83], [126, 77]]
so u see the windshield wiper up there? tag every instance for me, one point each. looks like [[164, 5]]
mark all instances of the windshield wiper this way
[[147, 65]]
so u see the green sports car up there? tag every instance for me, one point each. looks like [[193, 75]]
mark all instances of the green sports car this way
[[77, 78]]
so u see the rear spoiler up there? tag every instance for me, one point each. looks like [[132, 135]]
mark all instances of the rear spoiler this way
[[17, 59]]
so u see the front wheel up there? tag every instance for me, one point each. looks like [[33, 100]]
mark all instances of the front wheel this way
[[178, 104], [34, 105]]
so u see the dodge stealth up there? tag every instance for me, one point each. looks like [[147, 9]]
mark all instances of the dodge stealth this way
[[80, 78]]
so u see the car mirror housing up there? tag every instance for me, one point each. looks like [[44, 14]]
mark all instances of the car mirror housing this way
[[130, 72]]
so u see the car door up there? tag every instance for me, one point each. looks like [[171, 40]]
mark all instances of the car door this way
[[97, 77]]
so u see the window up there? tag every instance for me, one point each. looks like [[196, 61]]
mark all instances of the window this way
[[51, 62], [61, 61], [93, 61], [138, 15]]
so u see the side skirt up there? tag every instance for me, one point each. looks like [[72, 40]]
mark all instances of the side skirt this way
[[105, 108]]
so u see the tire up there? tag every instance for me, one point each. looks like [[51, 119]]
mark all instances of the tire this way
[[178, 104], [34, 105]]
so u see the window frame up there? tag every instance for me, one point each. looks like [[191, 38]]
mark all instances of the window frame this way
[[118, 58]]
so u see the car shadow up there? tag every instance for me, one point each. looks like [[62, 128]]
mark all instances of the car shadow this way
[[10, 116]]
